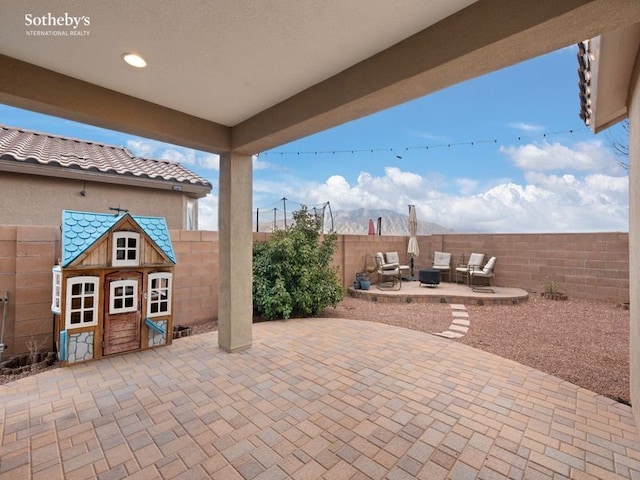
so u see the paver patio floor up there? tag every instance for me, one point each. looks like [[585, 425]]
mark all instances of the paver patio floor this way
[[312, 398]]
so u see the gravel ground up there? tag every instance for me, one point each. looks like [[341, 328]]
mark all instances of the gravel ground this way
[[585, 342], [582, 341]]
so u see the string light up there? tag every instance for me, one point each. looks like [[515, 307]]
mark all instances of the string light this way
[[313, 209], [471, 143], [273, 206]]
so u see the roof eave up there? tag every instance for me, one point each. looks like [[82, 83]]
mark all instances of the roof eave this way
[[195, 190], [614, 57]]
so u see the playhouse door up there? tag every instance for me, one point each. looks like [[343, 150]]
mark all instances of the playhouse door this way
[[122, 306]]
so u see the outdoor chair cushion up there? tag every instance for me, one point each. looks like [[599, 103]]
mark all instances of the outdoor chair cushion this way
[[441, 260], [487, 271], [394, 258]]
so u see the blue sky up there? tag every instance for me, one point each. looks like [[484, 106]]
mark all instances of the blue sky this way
[[533, 165]]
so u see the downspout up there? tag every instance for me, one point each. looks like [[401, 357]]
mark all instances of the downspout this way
[[4, 301]]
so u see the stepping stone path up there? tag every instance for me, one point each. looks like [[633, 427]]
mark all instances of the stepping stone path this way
[[460, 323]]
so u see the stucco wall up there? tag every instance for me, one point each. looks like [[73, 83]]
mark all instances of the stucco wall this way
[[594, 265], [39, 200]]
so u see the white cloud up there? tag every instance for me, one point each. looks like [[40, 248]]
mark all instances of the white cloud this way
[[467, 186], [553, 204], [587, 192], [208, 213], [526, 127], [173, 155], [402, 179], [390, 191], [162, 151], [549, 203], [432, 137], [259, 164], [541, 203], [583, 156], [612, 185], [209, 161], [141, 148]]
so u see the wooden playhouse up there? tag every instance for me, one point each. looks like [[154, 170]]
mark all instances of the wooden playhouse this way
[[112, 289]]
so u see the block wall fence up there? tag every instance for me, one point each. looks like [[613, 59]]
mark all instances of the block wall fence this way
[[594, 265]]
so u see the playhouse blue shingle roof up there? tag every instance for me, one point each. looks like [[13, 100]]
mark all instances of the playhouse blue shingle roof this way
[[80, 230], [156, 228]]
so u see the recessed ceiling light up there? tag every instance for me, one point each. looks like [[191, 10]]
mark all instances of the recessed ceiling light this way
[[134, 60]]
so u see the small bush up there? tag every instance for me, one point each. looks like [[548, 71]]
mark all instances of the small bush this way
[[292, 272], [550, 286]]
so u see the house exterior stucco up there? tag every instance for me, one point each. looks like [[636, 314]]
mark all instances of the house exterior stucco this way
[[39, 200], [43, 174]]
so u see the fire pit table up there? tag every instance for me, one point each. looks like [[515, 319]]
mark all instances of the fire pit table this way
[[430, 278]]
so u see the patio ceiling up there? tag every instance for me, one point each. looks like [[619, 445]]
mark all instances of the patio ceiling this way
[[248, 75]]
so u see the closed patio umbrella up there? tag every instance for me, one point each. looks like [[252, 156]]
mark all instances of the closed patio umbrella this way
[[372, 228], [413, 250]]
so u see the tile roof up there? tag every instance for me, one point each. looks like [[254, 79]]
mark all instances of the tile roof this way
[[80, 230], [45, 149], [584, 81]]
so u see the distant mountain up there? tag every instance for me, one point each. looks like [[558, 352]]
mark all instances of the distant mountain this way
[[356, 222]]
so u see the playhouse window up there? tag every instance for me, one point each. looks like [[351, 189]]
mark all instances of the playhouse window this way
[[126, 246], [123, 296], [159, 299], [82, 302], [56, 289]]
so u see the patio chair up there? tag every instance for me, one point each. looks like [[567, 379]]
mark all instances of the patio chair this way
[[393, 257], [484, 274], [475, 262], [442, 262], [389, 277]]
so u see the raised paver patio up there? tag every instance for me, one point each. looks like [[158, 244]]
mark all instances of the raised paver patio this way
[[445, 292], [313, 398]]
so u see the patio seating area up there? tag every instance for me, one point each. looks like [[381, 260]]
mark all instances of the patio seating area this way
[[362, 400]]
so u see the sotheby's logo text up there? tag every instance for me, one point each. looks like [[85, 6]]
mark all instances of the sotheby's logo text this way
[[52, 25]]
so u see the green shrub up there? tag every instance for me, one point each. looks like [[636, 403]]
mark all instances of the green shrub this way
[[292, 272]]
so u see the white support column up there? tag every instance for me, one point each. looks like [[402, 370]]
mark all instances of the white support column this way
[[633, 106], [634, 243], [235, 303]]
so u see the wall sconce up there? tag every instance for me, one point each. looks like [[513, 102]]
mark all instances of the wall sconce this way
[[177, 188]]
